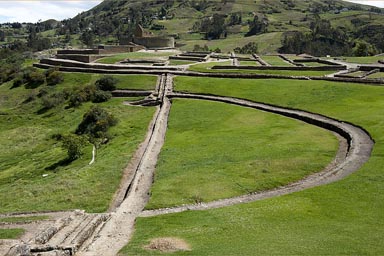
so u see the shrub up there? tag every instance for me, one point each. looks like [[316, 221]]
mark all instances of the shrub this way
[[77, 97], [73, 144], [17, 82], [101, 96], [52, 100], [96, 123], [34, 78], [106, 83], [54, 78]]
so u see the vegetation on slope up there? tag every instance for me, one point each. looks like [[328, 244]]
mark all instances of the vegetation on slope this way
[[34, 175]]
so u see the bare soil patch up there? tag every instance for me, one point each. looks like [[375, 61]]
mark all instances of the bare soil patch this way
[[168, 245]]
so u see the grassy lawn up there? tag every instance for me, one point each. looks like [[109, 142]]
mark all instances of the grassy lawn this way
[[140, 82], [357, 73], [215, 150], [206, 68], [314, 64], [343, 218], [363, 60], [13, 233], [249, 63], [275, 61], [180, 62], [376, 75], [134, 55], [27, 152]]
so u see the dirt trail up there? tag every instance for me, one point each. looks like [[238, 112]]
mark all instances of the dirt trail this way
[[355, 149], [118, 230]]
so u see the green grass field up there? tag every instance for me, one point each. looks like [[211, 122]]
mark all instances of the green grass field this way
[[363, 60], [27, 152], [343, 218], [274, 60], [376, 75], [13, 233], [215, 150], [207, 68]]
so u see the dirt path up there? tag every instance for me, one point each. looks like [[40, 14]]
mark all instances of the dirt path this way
[[354, 150], [118, 230]]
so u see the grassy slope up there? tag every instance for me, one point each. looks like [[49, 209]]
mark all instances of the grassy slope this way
[[27, 150], [215, 150], [343, 218]]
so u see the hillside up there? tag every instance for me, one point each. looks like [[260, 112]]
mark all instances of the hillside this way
[[234, 22]]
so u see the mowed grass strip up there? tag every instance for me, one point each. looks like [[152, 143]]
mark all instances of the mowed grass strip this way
[[138, 82], [12, 233], [207, 68], [31, 176], [215, 150], [343, 218]]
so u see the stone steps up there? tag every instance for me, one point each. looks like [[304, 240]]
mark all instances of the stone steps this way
[[65, 237]]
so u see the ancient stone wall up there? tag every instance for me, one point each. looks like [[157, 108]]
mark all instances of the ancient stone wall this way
[[155, 42], [320, 68]]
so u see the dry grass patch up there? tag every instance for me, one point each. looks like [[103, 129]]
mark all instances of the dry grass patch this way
[[168, 245]]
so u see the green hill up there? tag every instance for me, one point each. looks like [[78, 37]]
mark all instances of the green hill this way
[[219, 23]]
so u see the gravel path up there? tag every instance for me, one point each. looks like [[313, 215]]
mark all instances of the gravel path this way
[[118, 230]]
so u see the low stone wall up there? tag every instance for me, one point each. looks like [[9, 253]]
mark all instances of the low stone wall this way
[[290, 61], [320, 68], [369, 68], [155, 42], [63, 63], [112, 49], [326, 62], [79, 57], [130, 93], [79, 51], [260, 60], [190, 58]]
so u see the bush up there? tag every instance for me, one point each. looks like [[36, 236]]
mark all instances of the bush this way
[[17, 82], [101, 96], [34, 78], [52, 100], [96, 123], [106, 83], [73, 144], [249, 48], [77, 97], [54, 78]]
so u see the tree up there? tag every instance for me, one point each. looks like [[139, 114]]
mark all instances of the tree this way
[[249, 48], [87, 38], [213, 27], [259, 25]]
